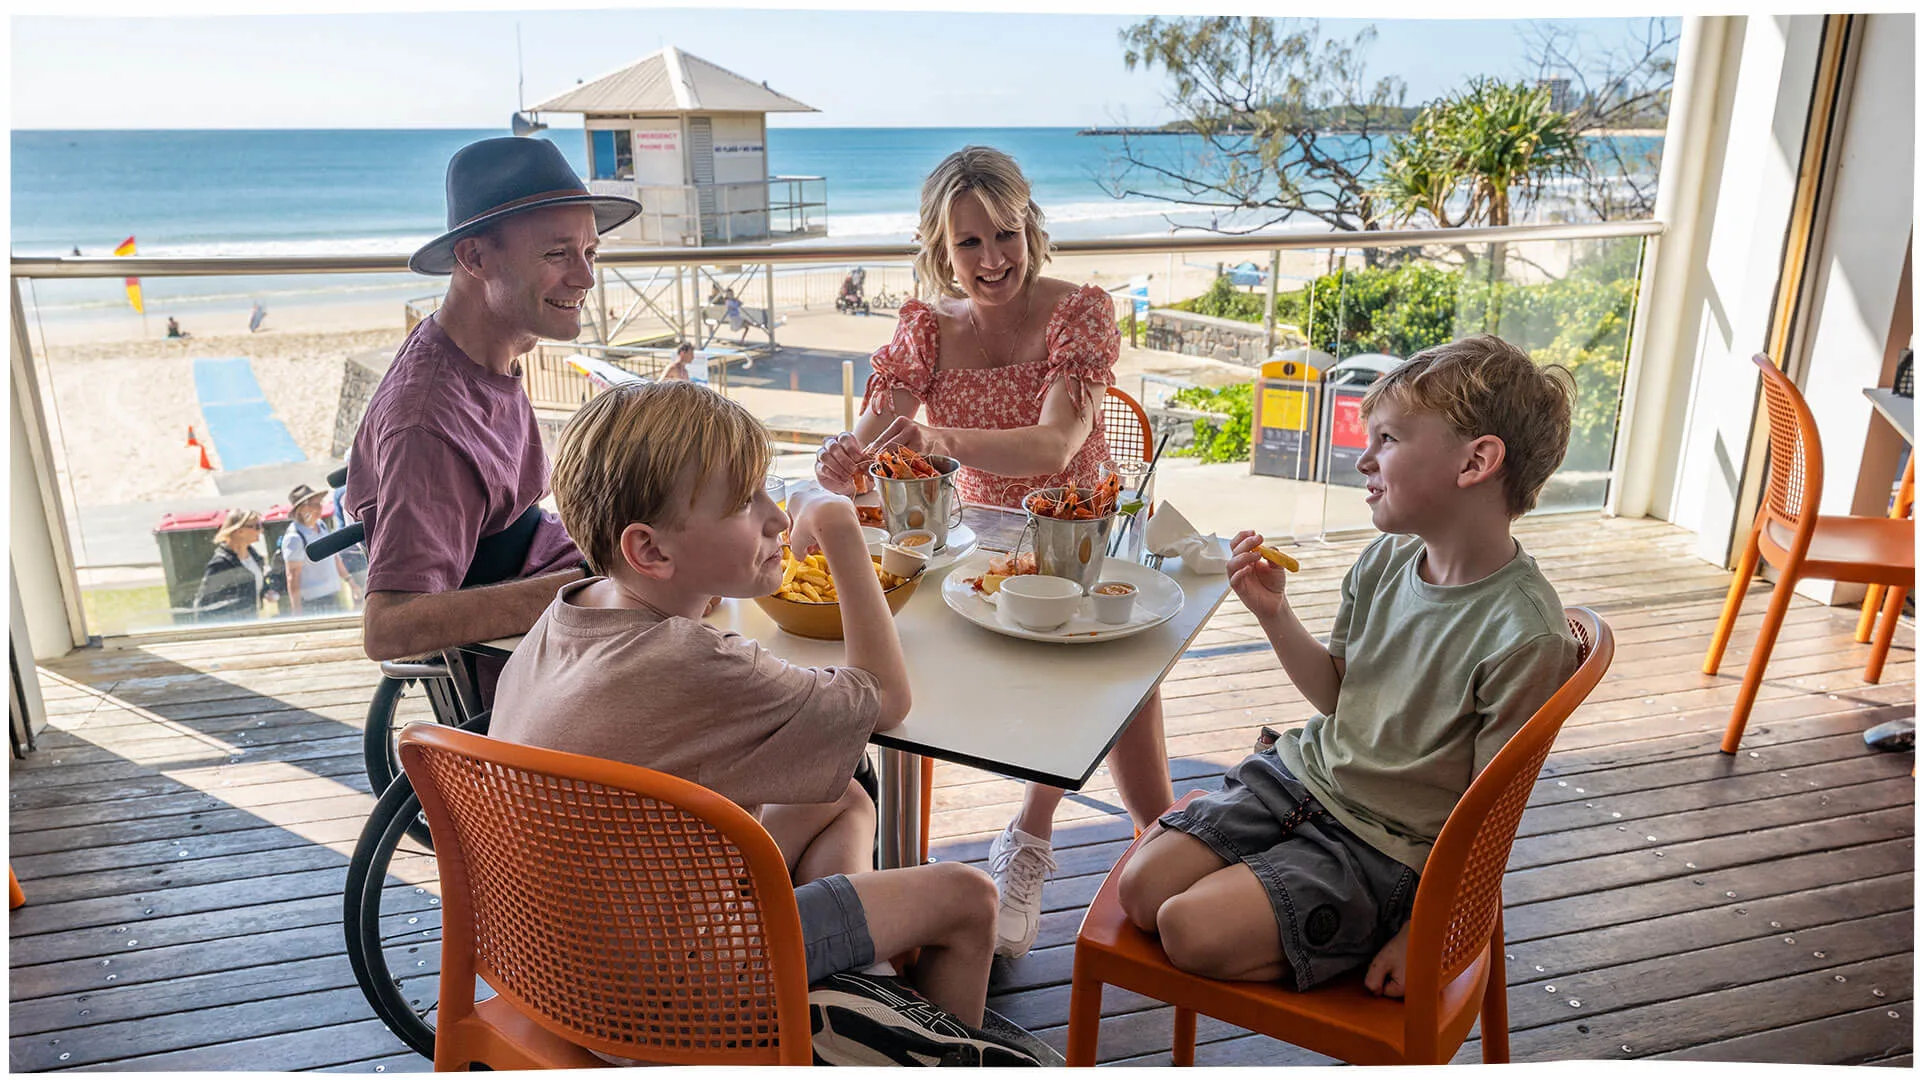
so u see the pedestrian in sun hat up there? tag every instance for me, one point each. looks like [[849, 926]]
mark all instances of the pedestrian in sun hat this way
[[448, 466], [313, 588]]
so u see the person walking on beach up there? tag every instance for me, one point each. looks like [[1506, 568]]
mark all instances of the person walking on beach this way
[[1011, 368], [681, 369], [259, 316], [448, 468]]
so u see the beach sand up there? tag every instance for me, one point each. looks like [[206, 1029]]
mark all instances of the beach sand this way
[[122, 402]]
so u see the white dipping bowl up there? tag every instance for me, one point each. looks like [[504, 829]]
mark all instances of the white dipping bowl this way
[[1113, 601], [1038, 601]]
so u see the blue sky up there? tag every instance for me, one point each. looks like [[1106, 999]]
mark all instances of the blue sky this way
[[457, 69]]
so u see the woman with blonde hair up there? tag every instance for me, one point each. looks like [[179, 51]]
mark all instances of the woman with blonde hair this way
[[1010, 367], [231, 587]]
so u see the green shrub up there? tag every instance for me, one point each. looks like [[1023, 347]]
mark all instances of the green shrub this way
[[1214, 443]]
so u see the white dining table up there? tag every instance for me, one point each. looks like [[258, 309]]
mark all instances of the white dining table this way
[[1030, 710]]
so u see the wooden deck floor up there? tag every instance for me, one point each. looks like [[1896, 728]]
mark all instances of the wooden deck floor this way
[[182, 836]]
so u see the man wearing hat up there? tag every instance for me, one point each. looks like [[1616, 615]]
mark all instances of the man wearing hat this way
[[448, 464], [313, 588]]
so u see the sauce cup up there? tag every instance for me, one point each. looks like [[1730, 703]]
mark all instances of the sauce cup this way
[[1113, 601], [903, 561]]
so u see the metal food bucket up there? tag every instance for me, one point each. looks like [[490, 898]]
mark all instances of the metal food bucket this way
[[930, 502], [1074, 550]]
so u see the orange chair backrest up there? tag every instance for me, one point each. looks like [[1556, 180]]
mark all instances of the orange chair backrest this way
[[1459, 895], [1795, 468], [624, 910], [1129, 432]]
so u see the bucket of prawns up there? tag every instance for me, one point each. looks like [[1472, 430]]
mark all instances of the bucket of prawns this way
[[917, 492], [1069, 527]]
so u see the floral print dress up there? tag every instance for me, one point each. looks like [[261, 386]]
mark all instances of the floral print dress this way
[[1083, 341]]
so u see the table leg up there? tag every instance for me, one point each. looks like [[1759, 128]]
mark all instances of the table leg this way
[[899, 809]]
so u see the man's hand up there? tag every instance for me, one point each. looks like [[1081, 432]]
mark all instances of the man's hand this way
[[1387, 975], [1258, 583]]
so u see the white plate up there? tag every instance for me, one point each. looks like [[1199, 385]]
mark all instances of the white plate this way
[[1159, 599], [960, 543]]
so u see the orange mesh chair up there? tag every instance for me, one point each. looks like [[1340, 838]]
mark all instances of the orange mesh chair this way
[[1130, 437], [1455, 964], [1129, 432], [1793, 536], [1870, 608], [610, 907]]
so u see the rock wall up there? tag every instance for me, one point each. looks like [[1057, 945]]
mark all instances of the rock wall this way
[[1230, 340]]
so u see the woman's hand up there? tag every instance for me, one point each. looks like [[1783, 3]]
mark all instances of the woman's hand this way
[[910, 433], [838, 464], [1258, 583]]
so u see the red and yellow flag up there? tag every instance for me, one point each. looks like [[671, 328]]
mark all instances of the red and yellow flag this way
[[133, 283]]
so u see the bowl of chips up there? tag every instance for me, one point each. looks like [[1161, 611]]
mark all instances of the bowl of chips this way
[[807, 604]]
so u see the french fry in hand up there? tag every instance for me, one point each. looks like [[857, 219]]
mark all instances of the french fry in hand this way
[[1278, 558]]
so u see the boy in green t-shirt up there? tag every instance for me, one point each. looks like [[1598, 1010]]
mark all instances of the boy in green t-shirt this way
[[1447, 641]]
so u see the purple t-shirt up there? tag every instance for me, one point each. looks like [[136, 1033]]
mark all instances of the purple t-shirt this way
[[447, 453]]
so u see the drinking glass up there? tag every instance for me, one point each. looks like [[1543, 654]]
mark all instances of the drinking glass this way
[[1136, 501], [777, 490]]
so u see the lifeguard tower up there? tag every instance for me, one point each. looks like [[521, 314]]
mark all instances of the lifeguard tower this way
[[688, 138]]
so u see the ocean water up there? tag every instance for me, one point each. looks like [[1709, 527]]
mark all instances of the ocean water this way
[[263, 193]]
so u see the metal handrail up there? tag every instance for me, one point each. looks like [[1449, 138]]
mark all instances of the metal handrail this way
[[46, 266]]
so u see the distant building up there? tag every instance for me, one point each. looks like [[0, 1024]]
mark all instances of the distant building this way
[[1559, 92], [688, 138]]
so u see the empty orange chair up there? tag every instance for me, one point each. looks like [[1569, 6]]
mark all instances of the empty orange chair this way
[[1793, 536], [1455, 964], [1870, 608], [610, 908], [14, 896], [1130, 438]]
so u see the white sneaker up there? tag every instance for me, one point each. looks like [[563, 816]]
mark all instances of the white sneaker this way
[[1019, 863]]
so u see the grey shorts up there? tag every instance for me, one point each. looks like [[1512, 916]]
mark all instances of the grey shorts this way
[[835, 927], [1338, 901]]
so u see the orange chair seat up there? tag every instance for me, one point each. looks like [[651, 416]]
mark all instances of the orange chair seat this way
[[1350, 1022], [1867, 550]]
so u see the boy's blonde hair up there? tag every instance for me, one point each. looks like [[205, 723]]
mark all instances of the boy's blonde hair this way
[[1002, 188], [641, 452], [1482, 385]]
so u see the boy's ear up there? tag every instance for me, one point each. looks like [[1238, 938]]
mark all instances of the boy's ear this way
[[640, 550], [1485, 456]]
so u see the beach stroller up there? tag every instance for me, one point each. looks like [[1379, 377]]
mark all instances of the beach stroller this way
[[852, 299]]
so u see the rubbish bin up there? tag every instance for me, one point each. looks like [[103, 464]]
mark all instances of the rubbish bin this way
[[1346, 439], [1286, 409], [186, 543]]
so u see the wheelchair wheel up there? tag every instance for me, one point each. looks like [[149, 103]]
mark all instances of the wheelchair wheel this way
[[391, 917], [380, 743]]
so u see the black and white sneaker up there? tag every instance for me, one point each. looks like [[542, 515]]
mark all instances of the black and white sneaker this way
[[880, 1020]]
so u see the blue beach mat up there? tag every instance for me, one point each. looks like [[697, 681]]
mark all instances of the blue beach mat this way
[[241, 423]]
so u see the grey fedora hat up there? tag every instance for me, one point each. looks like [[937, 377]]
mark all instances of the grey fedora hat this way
[[494, 178]]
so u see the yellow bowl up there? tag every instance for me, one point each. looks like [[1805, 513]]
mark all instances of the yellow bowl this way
[[822, 621]]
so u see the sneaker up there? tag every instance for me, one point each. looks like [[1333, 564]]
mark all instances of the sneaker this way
[[1019, 863], [880, 1020]]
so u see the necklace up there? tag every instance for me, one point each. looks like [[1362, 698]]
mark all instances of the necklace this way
[[980, 339]]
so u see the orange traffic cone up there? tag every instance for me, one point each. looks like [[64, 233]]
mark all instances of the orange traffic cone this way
[[192, 439], [204, 463]]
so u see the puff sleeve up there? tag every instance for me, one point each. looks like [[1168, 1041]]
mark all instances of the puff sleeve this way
[[908, 361], [1083, 342]]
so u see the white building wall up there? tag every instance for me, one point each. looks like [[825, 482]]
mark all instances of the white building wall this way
[[1772, 78], [1856, 271]]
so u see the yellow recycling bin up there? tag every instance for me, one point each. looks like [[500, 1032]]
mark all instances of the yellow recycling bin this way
[[1286, 415]]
